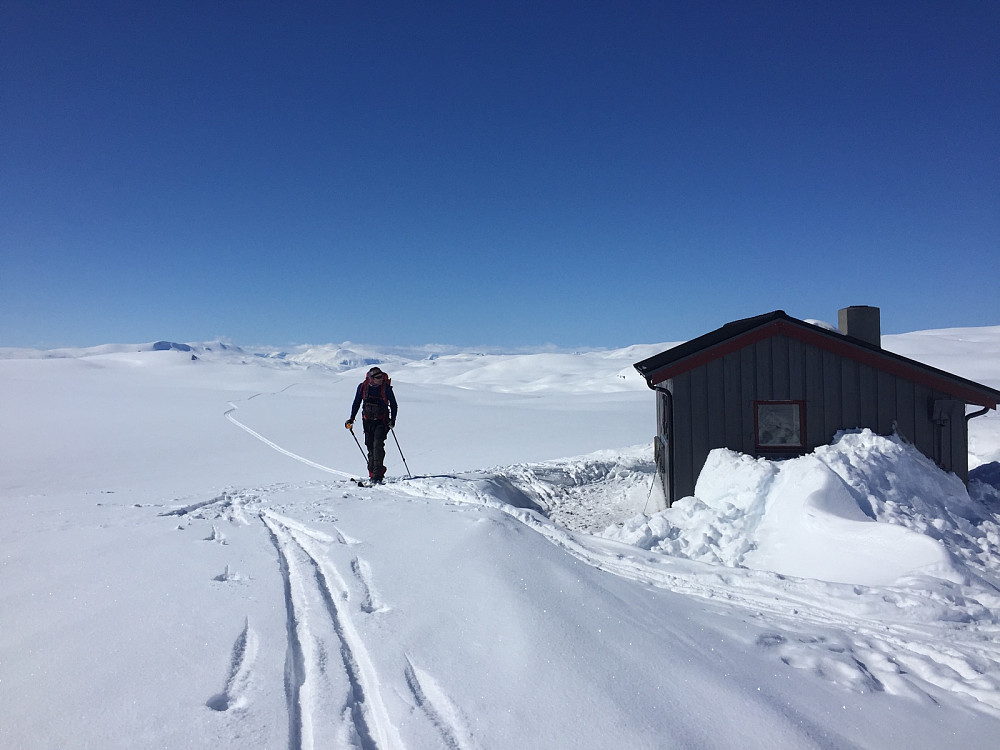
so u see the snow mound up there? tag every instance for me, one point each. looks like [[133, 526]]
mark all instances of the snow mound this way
[[867, 510]]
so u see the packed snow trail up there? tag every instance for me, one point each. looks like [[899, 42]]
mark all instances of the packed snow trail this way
[[275, 446]]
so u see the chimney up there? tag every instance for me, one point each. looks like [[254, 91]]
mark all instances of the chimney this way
[[861, 322]]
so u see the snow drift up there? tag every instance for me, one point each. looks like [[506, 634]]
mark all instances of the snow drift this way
[[868, 509]]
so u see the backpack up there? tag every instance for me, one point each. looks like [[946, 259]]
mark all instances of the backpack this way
[[375, 402]]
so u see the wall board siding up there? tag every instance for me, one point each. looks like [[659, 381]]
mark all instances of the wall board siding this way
[[886, 385], [732, 398], [796, 370], [833, 417], [868, 396], [714, 404], [923, 407], [905, 411], [960, 445], [850, 394], [779, 368], [815, 395], [748, 393], [700, 408], [684, 477], [765, 381]]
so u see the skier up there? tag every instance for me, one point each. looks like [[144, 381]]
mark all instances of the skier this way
[[378, 415]]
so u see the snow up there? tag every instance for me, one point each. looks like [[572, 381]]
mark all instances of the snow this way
[[865, 493], [185, 563]]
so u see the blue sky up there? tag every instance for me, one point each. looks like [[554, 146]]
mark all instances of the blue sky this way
[[512, 174]]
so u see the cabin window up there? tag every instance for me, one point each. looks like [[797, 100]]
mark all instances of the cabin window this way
[[780, 425]]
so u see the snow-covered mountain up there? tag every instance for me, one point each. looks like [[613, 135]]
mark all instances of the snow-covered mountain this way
[[185, 563]]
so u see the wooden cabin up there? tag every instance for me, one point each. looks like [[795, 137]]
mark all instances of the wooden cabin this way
[[779, 387]]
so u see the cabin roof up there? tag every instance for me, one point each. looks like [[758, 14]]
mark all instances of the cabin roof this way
[[741, 333]]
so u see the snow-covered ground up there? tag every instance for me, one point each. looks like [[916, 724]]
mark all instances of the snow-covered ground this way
[[184, 562]]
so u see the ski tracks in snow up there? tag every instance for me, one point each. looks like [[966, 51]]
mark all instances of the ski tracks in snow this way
[[333, 689], [442, 712], [331, 685], [229, 415]]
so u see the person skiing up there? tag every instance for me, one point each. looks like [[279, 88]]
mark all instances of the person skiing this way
[[378, 415]]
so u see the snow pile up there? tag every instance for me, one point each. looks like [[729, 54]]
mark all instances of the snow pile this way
[[868, 509]]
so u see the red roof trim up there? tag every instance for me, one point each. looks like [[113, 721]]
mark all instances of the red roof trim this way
[[832, 343]]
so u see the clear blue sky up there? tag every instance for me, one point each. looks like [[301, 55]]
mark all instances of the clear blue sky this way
[[492, 173]]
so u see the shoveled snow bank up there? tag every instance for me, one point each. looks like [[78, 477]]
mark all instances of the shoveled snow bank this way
[[867, 510]]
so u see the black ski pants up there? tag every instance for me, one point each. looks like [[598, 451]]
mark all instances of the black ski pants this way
[[376, 431]]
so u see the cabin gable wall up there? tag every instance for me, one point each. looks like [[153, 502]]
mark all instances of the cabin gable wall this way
[[713, 405]]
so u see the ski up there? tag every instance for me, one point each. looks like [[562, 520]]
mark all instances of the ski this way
[[366, 482]]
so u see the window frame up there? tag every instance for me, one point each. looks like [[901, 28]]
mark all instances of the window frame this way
[[799, 447]]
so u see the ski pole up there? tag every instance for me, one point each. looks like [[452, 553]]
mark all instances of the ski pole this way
[[408, 474], [359, 443]]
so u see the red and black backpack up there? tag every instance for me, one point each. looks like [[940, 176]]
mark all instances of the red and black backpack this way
[[375, 399]]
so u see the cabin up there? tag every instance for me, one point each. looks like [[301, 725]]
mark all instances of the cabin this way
[[779, 387]]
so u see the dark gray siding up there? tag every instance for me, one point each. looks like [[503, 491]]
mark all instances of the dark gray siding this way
[[713, 405], [683, 436], [734, 423]]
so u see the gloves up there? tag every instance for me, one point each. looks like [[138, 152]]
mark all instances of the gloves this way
[[392, 423], [349, 424]]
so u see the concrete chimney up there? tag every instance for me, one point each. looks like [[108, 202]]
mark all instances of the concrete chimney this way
[[861, 322]]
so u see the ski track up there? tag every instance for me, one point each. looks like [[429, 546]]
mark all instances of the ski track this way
[[275, 446], [440, 710], [320, 626]]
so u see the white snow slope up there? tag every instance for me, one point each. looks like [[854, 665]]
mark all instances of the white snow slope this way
[[184, 563]]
